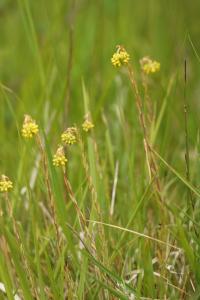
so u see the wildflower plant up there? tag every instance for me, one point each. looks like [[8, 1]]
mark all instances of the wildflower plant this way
[[101, 208], [87, 125], [120, 57], [5, 184], [69, 136], [59, 159], [149, 66], [29, 127]]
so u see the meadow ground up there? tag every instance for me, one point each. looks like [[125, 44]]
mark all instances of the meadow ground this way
[[110, 211]]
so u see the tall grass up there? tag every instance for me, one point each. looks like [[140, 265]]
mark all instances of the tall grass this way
[[121, 219]]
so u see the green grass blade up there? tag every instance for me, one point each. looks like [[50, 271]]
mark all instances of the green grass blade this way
[[178, 175], [4, 273]]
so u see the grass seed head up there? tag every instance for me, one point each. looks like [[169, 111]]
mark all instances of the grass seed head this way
[[59, 159], [29, 128], [149, 66], [5, 184], [120, 57], [69, 136], [87, 125]]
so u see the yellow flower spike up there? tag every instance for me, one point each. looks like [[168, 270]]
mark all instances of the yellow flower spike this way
[[59, 158], [29, 128], [120, 57], [87, 125], [5, 184], [69, 136], [149, 66]]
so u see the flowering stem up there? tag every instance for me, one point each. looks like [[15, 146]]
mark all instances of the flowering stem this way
[[150, 159], [47, 180], [149, 154], [89, 178], [147, 102], [82, 219], [93, 192]]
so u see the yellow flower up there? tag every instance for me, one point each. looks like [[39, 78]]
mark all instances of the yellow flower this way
[[120, 57], [5, 184], [29, 128], [59, 158], [149, 66], [87, 125], [69, 136]]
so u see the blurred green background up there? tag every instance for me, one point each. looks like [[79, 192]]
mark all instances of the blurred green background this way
[[49, 48]]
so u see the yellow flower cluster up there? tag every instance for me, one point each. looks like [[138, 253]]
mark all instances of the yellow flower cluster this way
[[29, 128], [87, 125], [5, 184], [120, 57], [149, 66], [69, 137], [59, 158]]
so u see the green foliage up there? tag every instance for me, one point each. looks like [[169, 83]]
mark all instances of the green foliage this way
[[102, 228]]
